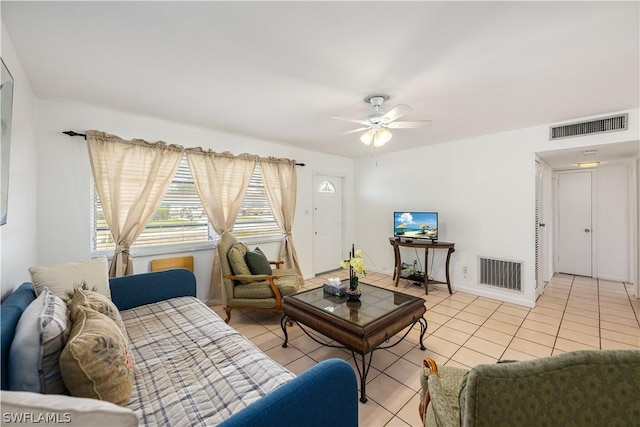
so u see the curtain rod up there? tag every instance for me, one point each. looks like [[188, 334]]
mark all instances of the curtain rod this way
[[84, 135]]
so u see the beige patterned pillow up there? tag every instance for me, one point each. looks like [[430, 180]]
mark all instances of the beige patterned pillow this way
[[97, 361], [236, 259], [97, 302]]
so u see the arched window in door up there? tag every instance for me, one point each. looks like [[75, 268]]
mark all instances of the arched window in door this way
[[326, 187]]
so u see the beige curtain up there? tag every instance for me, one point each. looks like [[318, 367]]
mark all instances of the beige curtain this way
[[222, 180], [131, 178], [280, 182]]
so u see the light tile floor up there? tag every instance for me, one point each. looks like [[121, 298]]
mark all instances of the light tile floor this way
[[463, 330]]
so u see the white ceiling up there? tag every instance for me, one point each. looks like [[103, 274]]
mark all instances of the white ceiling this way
[[278, 71]]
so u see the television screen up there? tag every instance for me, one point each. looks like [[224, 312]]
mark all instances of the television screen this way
[[416, 224]]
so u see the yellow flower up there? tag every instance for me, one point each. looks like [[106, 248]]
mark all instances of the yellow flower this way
[[356, 262], [358, 265]]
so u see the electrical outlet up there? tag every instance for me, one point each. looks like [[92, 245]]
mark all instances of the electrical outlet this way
[[464, 270]]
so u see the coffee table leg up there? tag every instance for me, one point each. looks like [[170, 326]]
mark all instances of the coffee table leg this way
[[283, 325], [363, 373], [423, 330]]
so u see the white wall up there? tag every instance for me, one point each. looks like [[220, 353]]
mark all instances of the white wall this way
[[64, 179], [484, 191], [18, 235], [613, 222]]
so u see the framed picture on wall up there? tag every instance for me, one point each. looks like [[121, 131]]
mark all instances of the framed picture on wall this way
[[6, 110]]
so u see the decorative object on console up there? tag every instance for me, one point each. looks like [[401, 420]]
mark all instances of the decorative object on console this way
[[409, 272], [356, 266], [377, 123]]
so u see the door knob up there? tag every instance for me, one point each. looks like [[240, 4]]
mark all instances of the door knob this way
[[542, 224], [586, 230]]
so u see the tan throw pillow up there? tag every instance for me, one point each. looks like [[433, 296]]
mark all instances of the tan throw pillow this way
[[62, 277], [97, 361], [97, 302], [236, 259]]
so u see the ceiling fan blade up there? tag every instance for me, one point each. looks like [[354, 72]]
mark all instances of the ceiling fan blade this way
[[354, 131], [409, 125], [397, 112], [360, 122]]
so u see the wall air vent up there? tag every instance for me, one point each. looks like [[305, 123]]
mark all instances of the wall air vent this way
[[501, 273], [602, 125]]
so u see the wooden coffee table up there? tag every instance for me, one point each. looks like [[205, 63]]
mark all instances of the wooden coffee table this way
[[360, 326]]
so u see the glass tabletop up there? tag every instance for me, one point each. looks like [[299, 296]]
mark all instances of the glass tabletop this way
[[374, 303]]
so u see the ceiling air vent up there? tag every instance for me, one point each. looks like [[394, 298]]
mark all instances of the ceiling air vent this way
[[605, 124]]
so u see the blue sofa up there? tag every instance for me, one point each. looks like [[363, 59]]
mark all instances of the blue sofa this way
[[325, 395]]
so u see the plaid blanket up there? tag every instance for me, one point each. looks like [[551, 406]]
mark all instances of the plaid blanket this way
[[191, 368]]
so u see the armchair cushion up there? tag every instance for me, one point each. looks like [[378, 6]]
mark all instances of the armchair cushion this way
[[443, 387], [287, 283], [236, 259], [254, 290], [258, 262]]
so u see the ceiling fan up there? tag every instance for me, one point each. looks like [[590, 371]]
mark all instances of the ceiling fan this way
[[377, 123]]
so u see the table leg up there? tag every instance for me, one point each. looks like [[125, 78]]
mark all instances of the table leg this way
[[283, 325], [426, 271], [449, 252], [363, 373], [398, 262], [423, 330]]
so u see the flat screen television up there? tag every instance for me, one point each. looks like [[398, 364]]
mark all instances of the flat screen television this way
[[416, 225]]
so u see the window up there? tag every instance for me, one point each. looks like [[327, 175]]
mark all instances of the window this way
[[327, 187], [255, 218], [181, 219]]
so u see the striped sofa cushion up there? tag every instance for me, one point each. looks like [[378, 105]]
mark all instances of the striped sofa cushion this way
[[191, 367]]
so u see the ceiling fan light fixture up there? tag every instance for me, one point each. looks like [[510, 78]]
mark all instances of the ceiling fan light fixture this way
[[376, 123], [367, 137], [381, 137]]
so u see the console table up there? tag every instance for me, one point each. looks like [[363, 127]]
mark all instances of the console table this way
[[426, 245]]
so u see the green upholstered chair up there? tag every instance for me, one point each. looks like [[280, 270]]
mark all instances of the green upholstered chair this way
[[247, 291], [580, 388]]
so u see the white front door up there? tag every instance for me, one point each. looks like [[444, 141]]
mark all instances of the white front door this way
[[327, 223], [575, 223]]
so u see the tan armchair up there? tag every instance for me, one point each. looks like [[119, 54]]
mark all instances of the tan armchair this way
[[246, 291]]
